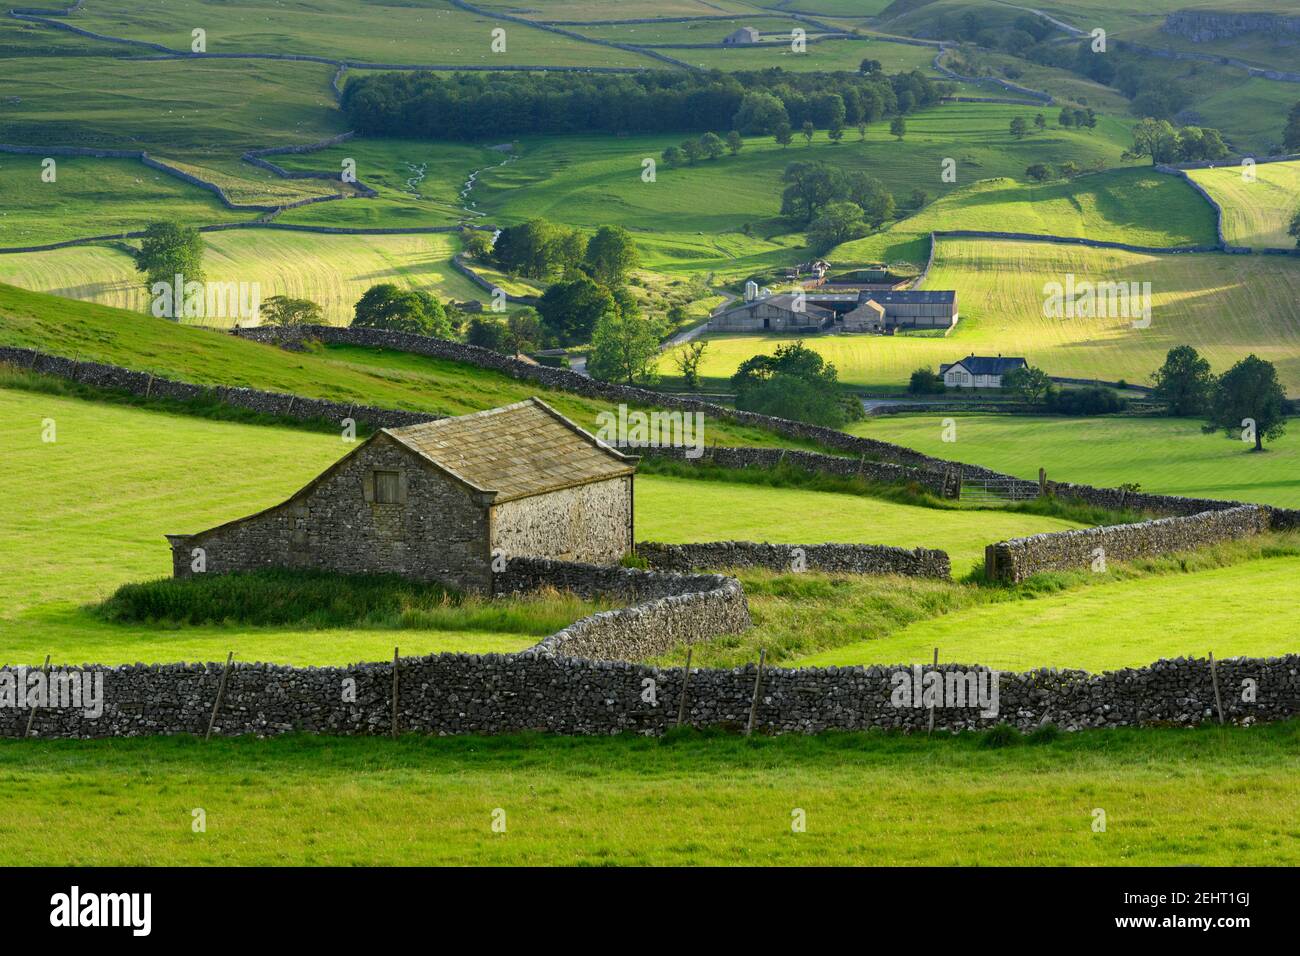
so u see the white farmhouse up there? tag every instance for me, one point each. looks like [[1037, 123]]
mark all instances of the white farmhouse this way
[[979, 371]]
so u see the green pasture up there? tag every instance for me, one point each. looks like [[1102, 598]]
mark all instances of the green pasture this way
[[331, 270], [679, 510], [419, 183], [1243, 610], [1136, 206], [1162, 455], [1258, 202], [171, 108], [1209, 796], [94, 197], [1226, 306], [416, 32], [828, 55]]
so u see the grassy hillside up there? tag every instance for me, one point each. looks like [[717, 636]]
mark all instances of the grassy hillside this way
[[1225, 306], [364, 376], [1170, 796], [425, 32], [592, 180], [94, 197], [172, 108], [1255, 213], [1163, 455], [1136, 206]]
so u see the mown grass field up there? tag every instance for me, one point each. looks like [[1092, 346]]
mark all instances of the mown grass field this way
[[1256, 212], [1208, 796], [333, 271], [1225, 306], [426, 32], [1136, 206], [1163, 455]]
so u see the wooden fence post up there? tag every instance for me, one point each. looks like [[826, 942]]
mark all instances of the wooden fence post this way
[[1214, 679], [45, 669], [686, 681], [930, 730], [758, 683], [221, 692], [1042, 482], [394, 692]]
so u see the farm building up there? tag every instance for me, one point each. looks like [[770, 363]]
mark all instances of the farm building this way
[[435, 501], [842, 311], [979, 371], [741, 36], [773, 313]]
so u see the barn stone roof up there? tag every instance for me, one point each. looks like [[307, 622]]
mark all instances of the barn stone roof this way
[[517, 450]]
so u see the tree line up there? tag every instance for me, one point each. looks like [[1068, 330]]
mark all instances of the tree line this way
[[476, 105]]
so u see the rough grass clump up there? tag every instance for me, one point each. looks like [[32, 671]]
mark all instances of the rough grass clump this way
[[317, 599]]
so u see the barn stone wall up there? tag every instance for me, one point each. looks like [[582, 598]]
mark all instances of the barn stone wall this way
[[1019, 558], [591, 523], [833, 558], [496, 694], [439, 534]]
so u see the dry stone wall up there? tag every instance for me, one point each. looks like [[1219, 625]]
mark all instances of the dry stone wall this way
[[1015, 560], [832, 558], [495, 694]]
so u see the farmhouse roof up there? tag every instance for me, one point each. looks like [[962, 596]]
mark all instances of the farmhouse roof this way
[[914, 297], [988, 364], [517, 450]]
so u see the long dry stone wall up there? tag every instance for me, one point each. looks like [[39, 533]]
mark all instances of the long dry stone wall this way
[[145, 385], [495, 694], [1020, 558], [833, 558]]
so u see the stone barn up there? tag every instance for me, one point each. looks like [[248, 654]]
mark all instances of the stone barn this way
[[435, 501]]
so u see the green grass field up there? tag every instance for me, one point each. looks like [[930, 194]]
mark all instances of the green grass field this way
[[94, 197], [145, 467], [679, 510], [1136, 206], [418, 32], [595, 180], [333, 271], [1163, 455], [1208, 797], [1248, 613], [1256, 212], [1226, 306], [419, 183], [172, 108]]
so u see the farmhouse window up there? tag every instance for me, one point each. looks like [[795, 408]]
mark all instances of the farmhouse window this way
[[387, 490]]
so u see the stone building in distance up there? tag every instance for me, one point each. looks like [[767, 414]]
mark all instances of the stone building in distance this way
[[435, 501]]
